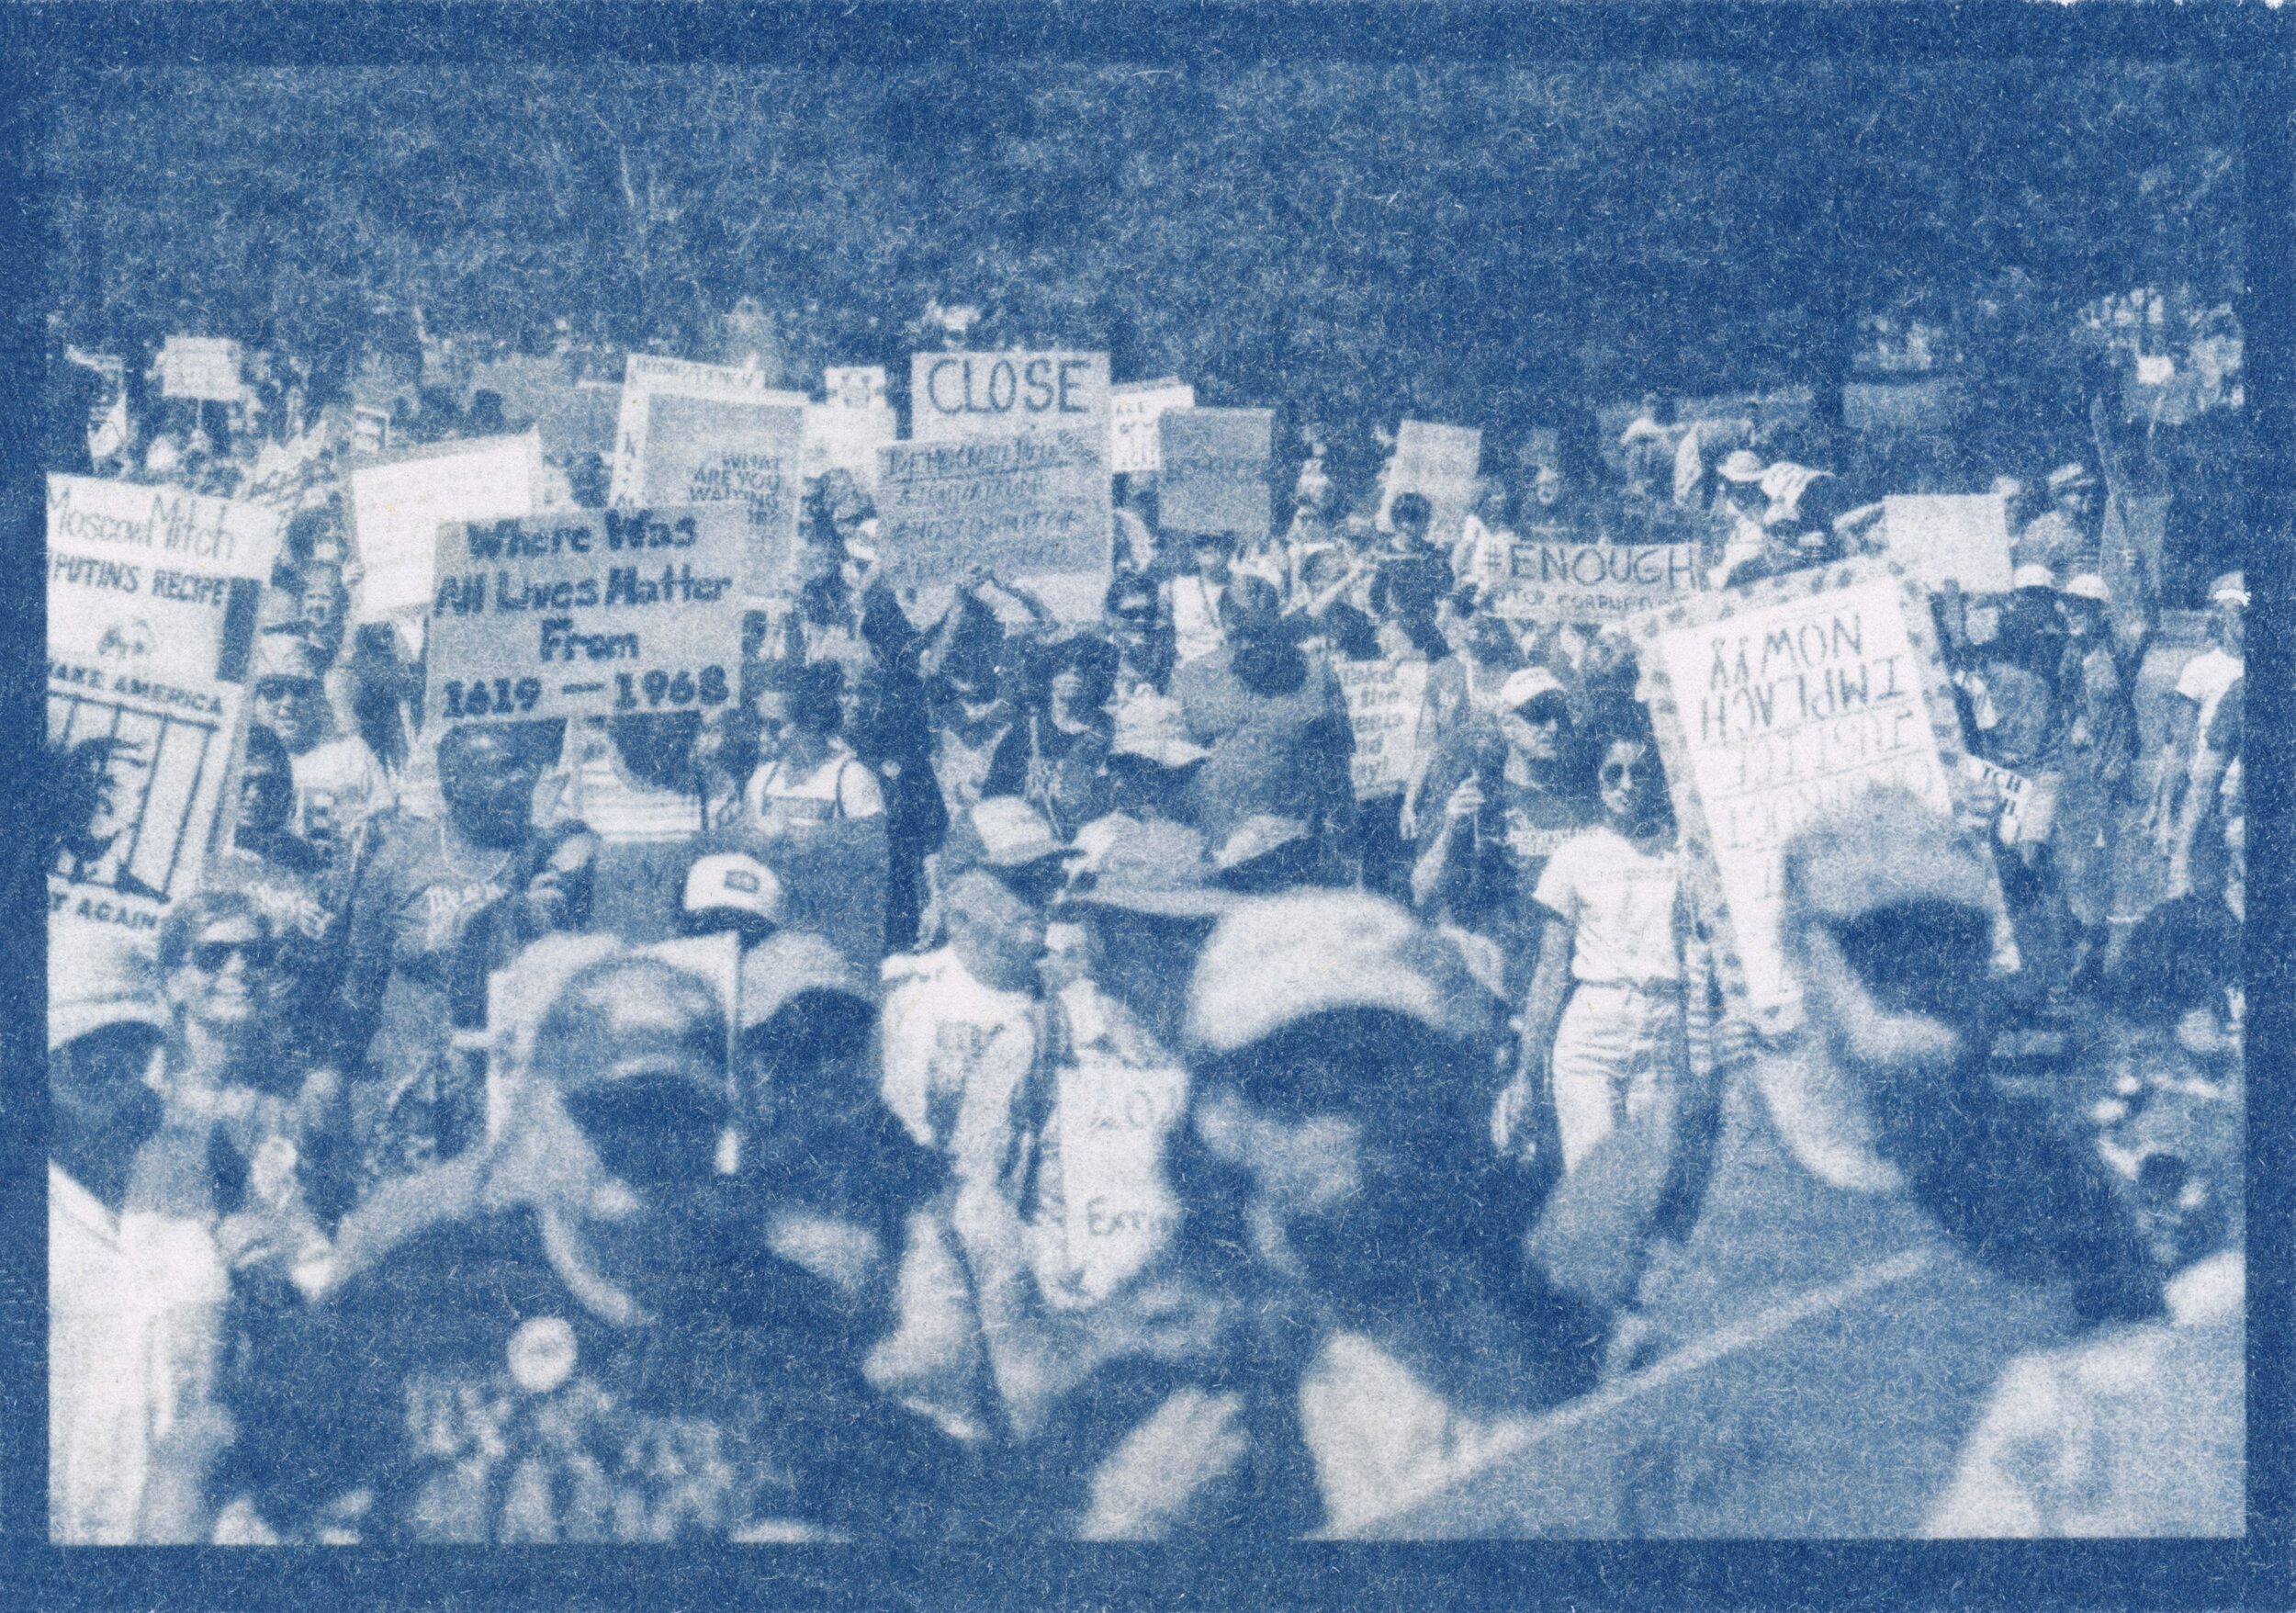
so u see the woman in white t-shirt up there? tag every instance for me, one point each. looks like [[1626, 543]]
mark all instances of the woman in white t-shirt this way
[[1605, 1033]]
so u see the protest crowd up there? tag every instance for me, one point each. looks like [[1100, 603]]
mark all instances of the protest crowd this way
[[1256, 1031]]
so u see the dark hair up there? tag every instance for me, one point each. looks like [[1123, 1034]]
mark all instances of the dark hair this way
[[1413, 507], [1092, 659], [1250, 599], [263, 742], [813, 689], [1129, 585], [1268, 663]]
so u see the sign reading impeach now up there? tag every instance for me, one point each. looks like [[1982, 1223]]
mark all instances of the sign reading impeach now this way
[[1595, 581]]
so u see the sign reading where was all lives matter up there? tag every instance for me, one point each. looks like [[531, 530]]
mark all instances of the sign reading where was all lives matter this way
[[153, 596], [1776, 701], [588, 612]]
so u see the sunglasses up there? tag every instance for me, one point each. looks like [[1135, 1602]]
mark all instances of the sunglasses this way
[[211, 956], [1916, 954]]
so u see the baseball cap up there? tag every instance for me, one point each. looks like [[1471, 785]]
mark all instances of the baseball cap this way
[[285, 658], [2087, 585], [2029, 575], [728, 880], [1742, 464], [97, 977], [1277, 959], [1158, 868], [2232, 588], [1527, 684], [2066, 477]]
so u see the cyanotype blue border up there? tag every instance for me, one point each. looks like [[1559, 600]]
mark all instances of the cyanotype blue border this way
[[2251, 42]]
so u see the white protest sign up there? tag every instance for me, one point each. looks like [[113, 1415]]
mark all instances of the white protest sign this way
[[644, 375], [713, 450], [1937, 537], [396, 508], [1440, 463], [1114, 1118], [1003, 394], [153, 596], [1385, 702], [1024, 506], [1776, 701], [855, 386], [1135, 445], [590, 613], [201, 366], [1214, 475], [1595, 581], [837, 439]]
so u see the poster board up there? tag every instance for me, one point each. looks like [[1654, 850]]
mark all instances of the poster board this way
[[837, 439], [1441, 463], [1114, 1120], [1774, 701], [206, 367], [153, 596], [1004, 394], [573, 417], [1024, 506], [716, 450], [646, 374], [399, 504], [1385, 703], [1135, 445], [588, 612], [1214, 476], [860, 387], [1572, 581], [1940, 537]]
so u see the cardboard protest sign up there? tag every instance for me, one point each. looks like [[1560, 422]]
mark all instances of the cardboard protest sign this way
[[856, 387], [1114, 1118], [201, 366], [1385, 702], [1939, 537], [1135, 445], [396, 508], [152, 605], [1440, 462], [646, 374], [591, 613], [712, 451], [1774, 701], [1214, 476], [1003, 394], [1572, 581], [837, 439], [2027, 806], [1023, 506], [573, 417]]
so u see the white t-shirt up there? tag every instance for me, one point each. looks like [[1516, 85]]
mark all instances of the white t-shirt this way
[[955, 1054], [131, 1302], [2206, 678], [1196, 630], [1619, 902], [842, 786]]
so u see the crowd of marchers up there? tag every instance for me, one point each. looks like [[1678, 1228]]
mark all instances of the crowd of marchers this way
[[1125, 1128]]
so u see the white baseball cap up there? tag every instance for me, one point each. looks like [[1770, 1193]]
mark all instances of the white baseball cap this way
[[730, 880]]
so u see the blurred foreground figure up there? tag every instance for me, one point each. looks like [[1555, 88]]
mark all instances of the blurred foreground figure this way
[[1812, 1309]]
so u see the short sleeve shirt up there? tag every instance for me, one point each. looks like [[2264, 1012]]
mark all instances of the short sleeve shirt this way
[[1619, 901]]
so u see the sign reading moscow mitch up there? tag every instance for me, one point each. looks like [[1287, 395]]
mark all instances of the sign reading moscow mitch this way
[[590, 613]]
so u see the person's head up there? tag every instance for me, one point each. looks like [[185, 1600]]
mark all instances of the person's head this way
[[323, 604], [799, 705], [971, 696], [107, 1019], [1548, 487], [2074, 491], [1342, 1061], [101, 783], [1535, 718], [1147, 898], [2081, 604], [558, 893], [1080, 679], [996, 933], [1490, 643], [290, 698], [1887, 925], [1129, 617], [2228, 607], [487, 774], [727, 747], [1739, 479], [1456, 617], [1411, 515], [1209, 554], [266, 787], [732, 891], [631, 1052], [1266, 662], [218, 959], [1251, 604], [1630, 784]]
